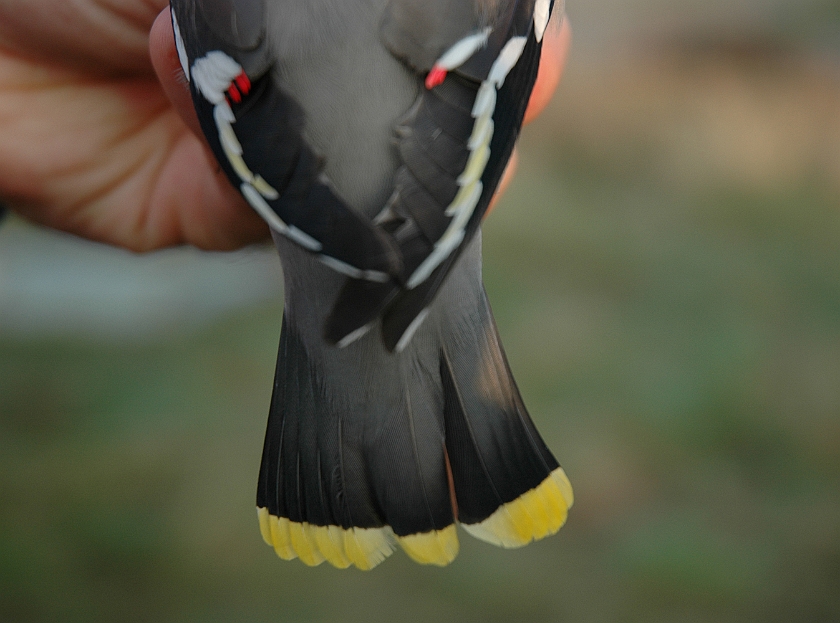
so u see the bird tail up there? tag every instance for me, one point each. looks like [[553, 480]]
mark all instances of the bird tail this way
[[367, 449]]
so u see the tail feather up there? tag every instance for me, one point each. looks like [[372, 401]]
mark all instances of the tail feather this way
[[313, 497], [408, 466], [399, 447], [504, 475], [538, 513], [438, 547], [367, 547]]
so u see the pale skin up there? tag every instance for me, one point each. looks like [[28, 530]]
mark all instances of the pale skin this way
[[97, 133]]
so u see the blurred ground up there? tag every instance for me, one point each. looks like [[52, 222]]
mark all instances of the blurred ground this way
[[666, 276]]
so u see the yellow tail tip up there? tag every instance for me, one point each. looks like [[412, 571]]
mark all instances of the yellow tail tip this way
[[362, 547], [265, 525], [437, 547], [534, 515]]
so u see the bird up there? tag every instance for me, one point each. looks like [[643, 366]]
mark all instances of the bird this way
[[371, 135]]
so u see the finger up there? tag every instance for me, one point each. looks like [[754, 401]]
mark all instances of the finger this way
[[169, 71], [555, 50], [211, 214]]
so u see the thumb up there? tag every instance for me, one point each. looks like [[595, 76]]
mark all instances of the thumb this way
[[169, 71]]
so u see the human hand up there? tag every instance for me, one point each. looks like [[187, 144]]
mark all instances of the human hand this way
[[100, 140], [89, 142]]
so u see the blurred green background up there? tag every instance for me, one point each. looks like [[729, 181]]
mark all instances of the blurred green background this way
[[665, 272]]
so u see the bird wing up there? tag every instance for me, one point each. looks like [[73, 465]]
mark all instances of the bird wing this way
[[454, 144], [255, 129]]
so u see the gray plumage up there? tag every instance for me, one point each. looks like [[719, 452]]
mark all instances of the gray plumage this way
[[330, 60], [318, 111]]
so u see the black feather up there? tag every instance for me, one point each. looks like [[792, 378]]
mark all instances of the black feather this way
[[450, 155], [313, 467], [494, 448], [239, 23], [439, 182], [269, 127], [510, 110], [320, 468], [417, 204], [437, 109]]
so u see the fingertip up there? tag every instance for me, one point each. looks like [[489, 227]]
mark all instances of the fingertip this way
[[168, 68], [556, 44], [555, 51], [162, 43], [204, 209]]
